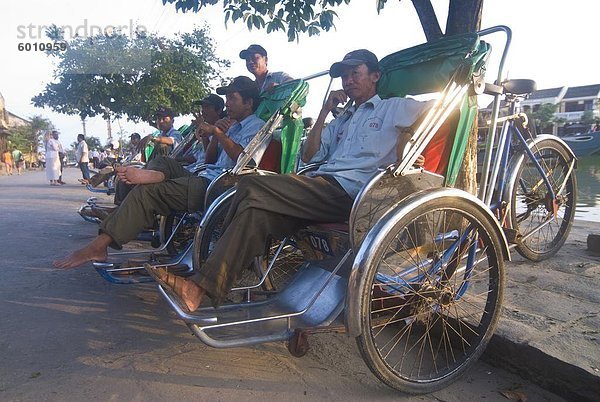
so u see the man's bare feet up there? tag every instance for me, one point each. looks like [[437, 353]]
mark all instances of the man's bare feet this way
[[188, 291], [133, 175], [94, 251]]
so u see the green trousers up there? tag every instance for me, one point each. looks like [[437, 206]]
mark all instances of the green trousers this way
[[266, 206], [138, 210]]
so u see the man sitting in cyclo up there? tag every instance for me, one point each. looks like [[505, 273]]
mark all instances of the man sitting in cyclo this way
[[354, 145], [159, 194]]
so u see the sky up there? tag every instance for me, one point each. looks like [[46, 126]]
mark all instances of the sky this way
[[554, 42]]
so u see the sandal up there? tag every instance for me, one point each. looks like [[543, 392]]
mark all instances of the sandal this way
[[170, 285]]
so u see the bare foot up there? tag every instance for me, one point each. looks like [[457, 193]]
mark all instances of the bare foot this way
[[94, 251], [133, 175], [187, 290]]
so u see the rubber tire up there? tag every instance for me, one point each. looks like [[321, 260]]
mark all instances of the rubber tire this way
[[366, 341], [166, 226], [552, 246]]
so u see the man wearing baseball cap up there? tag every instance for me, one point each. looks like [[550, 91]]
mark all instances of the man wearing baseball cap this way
[[169, 137], [256, 63], [162, 192], [365, 137]]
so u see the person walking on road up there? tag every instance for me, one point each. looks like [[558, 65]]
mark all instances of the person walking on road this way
[[18, 159], [8, 162], [53, 163], [61, 157], [82, 156]]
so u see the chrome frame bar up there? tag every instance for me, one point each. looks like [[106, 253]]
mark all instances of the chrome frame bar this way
[[485, 194]]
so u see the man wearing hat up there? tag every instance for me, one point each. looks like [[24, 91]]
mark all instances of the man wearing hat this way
[[211, 109], [256, 63], [161, 194], [354, 145], [169, 137]]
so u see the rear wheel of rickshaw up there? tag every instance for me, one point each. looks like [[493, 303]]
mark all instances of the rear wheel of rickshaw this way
[[432, 296], [543, 224], [184, 234], [287, 258]]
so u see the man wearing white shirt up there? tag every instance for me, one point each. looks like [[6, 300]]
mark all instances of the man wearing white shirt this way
[[83, 159]]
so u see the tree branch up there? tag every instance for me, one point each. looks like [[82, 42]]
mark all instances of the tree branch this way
[[428, 19]]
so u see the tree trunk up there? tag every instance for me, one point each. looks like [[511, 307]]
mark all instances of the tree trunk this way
[[464, 16]]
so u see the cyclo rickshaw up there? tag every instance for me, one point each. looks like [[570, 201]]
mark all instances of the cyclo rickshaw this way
[[416, 275], [280, 108]]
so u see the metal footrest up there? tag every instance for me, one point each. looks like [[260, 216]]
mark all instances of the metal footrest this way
[[120, 274], [315, 297]]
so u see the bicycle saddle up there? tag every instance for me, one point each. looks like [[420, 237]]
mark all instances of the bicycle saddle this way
[[519, 86]]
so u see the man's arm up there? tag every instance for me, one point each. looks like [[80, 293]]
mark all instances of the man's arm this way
[[163, 140], [313, 140], [219, 136]]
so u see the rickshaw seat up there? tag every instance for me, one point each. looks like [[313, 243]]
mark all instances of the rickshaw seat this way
[[437, 152], [281, 97], [272, 157]]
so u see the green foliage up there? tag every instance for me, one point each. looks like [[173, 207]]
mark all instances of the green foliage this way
[[28, 138], [587, 117], [310, 16], [545, 114], [115, 75]]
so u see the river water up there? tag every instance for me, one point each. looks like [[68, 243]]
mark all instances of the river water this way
[[588, 186]]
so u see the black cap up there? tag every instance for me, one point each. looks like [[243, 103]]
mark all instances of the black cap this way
[[164, 111], [212, 99], [238, 84], [353, 59], [135, 135], [253, 49]]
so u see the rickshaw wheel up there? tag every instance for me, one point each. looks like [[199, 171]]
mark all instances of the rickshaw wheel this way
[[184, 235], [298, 344], [432, 296], [286, 264], [532, 205]]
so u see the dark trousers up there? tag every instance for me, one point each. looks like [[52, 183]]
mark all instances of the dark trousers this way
[[85, 170], [275, 205], [145, 201]]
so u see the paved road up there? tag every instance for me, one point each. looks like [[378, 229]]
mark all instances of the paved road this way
[[72, 336]]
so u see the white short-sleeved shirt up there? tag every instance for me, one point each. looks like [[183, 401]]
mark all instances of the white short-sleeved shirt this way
[[81, 154], [364, 139]]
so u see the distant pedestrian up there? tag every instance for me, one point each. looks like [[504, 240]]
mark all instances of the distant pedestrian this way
[[94, 154], [53, 159], [61, 157], [8, 161], [18, 159], [82, 157], [42, 160]]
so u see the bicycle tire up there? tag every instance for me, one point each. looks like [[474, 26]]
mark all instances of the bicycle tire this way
[[530, 201]]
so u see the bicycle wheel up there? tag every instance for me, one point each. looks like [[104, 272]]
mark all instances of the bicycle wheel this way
[[433, 296], [184, 234], [543, 225]]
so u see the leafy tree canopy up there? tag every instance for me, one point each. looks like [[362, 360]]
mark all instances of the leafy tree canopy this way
[[313, 16], [115, 75], [28, 138]]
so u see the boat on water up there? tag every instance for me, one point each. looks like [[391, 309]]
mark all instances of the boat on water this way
[[582, 139], [584, 144]]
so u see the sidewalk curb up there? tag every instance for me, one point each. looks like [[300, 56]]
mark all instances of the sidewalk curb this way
[[557, 376]]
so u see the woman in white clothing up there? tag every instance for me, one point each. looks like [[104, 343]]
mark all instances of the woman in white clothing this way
[[52, 159]]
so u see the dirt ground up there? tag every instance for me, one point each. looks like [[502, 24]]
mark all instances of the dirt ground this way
[[70, 335]]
